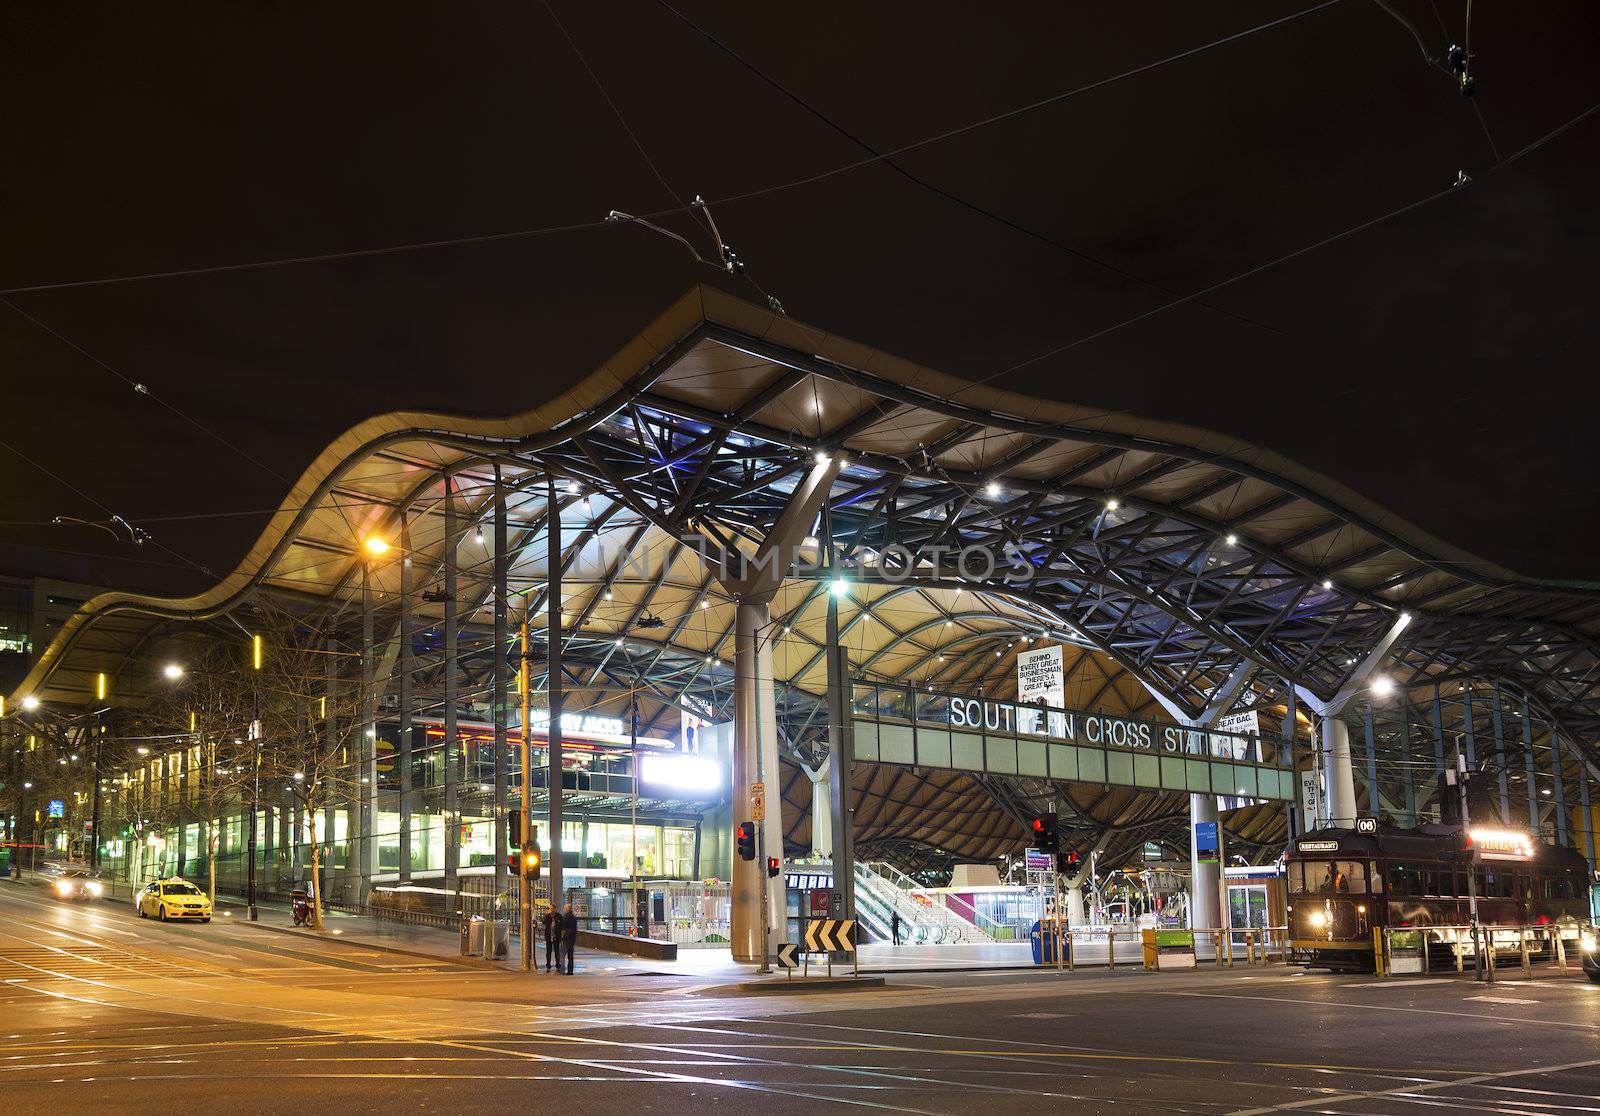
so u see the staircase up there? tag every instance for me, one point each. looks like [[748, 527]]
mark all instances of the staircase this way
[[882, 890]]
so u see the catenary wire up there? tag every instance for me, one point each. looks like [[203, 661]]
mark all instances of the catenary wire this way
[[579, 226]]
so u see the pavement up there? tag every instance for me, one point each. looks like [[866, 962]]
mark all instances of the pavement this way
[[102, 1012]]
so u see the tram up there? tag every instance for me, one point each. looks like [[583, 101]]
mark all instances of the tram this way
[[1344, 884]]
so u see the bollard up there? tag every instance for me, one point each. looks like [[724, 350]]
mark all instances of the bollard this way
[[1455, 944], [1522, 941], [1378, 966], [1226, 937], [1070, 951], [1111, 948], [1561, 950]]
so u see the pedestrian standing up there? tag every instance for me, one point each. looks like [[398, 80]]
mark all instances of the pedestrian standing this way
[[894, 926], [552, 939], [569, 938]]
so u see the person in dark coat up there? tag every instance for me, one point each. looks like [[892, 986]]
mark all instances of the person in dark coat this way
[[551, 922], [569, 938], [894, 926]]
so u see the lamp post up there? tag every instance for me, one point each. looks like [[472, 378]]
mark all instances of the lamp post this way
[[255, 793]]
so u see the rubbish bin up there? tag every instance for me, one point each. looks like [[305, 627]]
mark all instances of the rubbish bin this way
[[472, 937], [498, 945], [1045, 935]]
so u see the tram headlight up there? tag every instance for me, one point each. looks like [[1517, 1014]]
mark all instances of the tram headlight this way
[[1586, 943], [63, 887], [1318, 919]]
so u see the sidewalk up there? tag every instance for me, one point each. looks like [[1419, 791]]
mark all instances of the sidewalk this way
[[432, 943]]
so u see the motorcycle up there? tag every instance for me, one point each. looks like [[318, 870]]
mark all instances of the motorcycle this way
[[300, 906]]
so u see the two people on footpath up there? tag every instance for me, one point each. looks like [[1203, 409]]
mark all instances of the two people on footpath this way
[[560, 939]]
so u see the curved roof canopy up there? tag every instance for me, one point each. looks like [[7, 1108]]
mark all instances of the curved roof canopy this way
[[1164, 556]]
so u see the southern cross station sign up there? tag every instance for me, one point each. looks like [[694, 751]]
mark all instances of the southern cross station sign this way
[[897, 724]]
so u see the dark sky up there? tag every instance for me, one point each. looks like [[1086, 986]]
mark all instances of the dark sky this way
[[1441, 362]]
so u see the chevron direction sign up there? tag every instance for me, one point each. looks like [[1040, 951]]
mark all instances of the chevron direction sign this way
[[831, 935], [788, 956]]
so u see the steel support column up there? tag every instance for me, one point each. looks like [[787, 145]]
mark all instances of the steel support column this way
[[1500, 755], [1374, 806], [407, 670], [1338, 778], [1527, 761], [1205, 882], [556, 692], [821, 809], [841, 751], [367, 745], [499, 697], [452, 683], [757, 900]]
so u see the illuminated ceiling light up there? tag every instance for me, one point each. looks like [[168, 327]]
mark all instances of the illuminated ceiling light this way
[[1405, 617], [1112, 504], [992, 489], [143, 751], [479, 535], [1232, 540], [997, 654], [839, 587], [1545, 791], [376, 545], [941, 658], [608, 594], [705, 604], [822, 458], [299, 776], [708, 660], [30, 703], [947, 623], [100, 686], [1327, 583], [619, 641], [172, 671], [787, 630], [1382, 685]]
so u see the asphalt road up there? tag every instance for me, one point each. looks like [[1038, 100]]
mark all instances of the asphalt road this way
[[100, 1012]]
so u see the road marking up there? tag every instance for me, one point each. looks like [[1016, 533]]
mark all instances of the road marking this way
[[1398, 983], [1388, 1007], [1499, 1000], [1407, 1090]]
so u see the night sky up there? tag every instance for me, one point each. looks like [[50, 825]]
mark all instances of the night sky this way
[[1441, 363]]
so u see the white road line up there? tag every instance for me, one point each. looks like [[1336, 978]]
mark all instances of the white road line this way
[[1406, 1090], [1480, 1016]]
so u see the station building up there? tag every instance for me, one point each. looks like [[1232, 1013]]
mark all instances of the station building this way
[[749, 570]]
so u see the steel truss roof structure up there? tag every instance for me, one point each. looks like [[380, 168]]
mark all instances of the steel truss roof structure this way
[[1165, 558]]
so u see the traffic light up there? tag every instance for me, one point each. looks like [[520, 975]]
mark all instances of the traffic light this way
[[1045, 836], [514, 861], [747, 840], [772, 867], [531, 860], [514, 829]]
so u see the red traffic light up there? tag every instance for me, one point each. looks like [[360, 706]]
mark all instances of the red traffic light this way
[[747, 840], [1038, 825]]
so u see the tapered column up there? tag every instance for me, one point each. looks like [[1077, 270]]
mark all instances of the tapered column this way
[[755, 760], [1337, 776], [821, 809]]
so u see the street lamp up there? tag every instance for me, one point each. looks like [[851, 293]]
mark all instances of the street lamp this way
[[376, 545], [172, 672], [30, 703]]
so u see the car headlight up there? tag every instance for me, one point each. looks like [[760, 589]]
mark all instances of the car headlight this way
[[1318, 919], [95, 888], [64, 887], [1586, 943]]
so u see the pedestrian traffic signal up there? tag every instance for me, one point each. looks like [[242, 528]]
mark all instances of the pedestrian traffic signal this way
[[514, 829], [1045, 836], [747, 840], [514, 861], [772, 867]]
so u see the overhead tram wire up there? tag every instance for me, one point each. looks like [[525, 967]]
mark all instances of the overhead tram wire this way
[[888, 160], [1285, 258], [580, 226]]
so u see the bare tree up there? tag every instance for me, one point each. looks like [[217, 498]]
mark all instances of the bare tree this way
[[214, 704], [314, 719]]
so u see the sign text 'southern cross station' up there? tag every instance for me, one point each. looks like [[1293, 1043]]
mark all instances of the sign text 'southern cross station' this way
[[903, 725]]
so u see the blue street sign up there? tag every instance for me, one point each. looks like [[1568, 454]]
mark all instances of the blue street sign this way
[[57, 808]]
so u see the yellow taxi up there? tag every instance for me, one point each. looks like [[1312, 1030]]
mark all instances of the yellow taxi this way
[[172, 901]]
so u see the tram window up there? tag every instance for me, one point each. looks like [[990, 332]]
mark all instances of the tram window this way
[[1375, 875], [1336, 877], [1296, 873], [1405, 880]]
